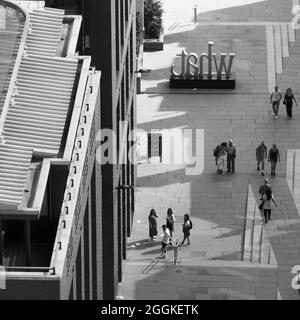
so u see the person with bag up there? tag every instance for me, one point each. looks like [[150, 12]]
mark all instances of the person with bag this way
[[268, 199], [288, 101], [275, 98], [261, 155], [273, 157], [186, 227], [263, 188], [262, 191]]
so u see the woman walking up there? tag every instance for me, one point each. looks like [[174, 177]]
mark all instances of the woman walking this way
[[288, 101], [152, 224], [221, 158], [186, 227], [170, 221], [268, 198]]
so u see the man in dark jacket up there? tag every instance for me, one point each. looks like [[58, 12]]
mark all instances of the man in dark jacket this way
[[273, 157], [231, 155], [263, 188]]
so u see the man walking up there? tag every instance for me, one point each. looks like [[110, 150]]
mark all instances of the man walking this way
[[273, 157], [231, 155], [263, 188], [261, 155], [165, 241], [275, 98]]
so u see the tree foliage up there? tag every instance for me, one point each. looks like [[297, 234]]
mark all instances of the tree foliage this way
[[152, 18]]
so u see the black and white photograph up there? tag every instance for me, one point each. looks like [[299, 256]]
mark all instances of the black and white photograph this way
[[149, 152]]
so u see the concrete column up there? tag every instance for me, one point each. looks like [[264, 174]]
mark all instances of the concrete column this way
[[82, 262], [27, 242], [1, 244]]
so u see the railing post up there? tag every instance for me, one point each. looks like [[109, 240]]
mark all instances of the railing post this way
[[176, 246], [195, 13]]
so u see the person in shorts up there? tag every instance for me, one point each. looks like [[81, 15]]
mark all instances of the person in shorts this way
[[165, 241]]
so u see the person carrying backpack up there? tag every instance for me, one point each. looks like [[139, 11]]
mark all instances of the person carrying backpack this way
[[273, 157], [186, 227]]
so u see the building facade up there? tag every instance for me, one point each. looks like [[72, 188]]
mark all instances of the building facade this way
[[109, 37], [87, 204]]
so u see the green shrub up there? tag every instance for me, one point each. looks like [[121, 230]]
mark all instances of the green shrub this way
[[152, 18]]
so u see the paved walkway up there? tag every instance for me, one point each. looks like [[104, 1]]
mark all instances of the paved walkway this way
[[216, 203]]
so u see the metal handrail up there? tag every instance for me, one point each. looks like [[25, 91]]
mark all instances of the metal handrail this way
[[14, 75], [28, 269]]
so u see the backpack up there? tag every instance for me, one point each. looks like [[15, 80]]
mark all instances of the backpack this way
[[191, 224]]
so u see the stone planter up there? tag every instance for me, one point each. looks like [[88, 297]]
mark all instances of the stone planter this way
[[154, 44]]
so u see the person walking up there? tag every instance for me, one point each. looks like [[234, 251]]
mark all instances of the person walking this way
[[288, 101], [170, 221], [261, 155], [152, 224], [263, 188], [275, 98], [268, 199], [231, 155], [186, 227], [165, 241], [273, 157]]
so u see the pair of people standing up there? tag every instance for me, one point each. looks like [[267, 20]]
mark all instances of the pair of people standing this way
[[273, 158], [152, 219], [167, 236], [221, 152], [288, 99]]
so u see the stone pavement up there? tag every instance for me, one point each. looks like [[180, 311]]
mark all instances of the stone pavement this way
[[217, 203]]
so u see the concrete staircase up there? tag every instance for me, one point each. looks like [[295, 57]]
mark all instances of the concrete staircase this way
[[36, 116], [280, 39], [257, 247]]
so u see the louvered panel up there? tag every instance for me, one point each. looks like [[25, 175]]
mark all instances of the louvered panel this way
[[14, 165]]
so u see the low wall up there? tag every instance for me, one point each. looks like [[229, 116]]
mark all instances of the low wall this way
[[29, 287]]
